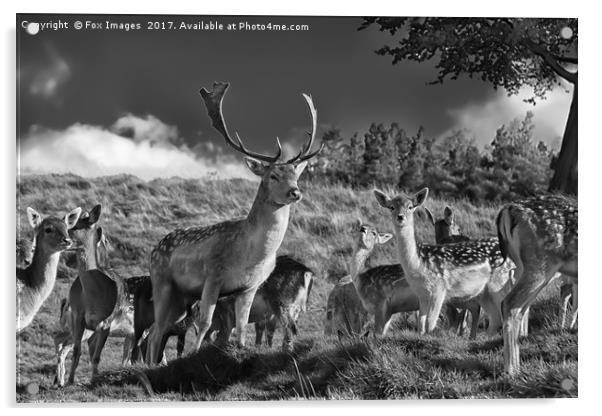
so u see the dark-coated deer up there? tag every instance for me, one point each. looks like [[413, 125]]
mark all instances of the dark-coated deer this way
[[97, 300], [279, 299]]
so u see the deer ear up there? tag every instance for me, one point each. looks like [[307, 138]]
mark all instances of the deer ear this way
[[420, 197], [72, 217], [448, 214], [94, 215], [33, 217], [256, 166], [299, 168], [384, 237], [382, 198], [429, 214], [99, 234], [358, 224]]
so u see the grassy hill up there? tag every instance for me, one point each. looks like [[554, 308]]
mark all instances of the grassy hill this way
[[136, 214]]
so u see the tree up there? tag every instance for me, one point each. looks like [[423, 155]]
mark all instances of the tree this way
[[380, 155], [507, 52]]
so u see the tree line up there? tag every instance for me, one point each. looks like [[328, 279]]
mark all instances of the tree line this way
[[513, 165]]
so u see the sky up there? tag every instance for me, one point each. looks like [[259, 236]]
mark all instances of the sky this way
[[99, 102]]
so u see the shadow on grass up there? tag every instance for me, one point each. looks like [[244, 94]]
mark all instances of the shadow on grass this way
[[469, 366], [272, 374]]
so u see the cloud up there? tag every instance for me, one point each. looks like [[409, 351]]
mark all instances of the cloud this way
[[483, 119], [96, 151], [46, 79], [146, 129]]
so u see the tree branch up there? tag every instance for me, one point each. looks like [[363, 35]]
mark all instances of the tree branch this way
[[550, 60]]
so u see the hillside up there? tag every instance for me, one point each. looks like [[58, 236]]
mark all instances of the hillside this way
[[136, 214]]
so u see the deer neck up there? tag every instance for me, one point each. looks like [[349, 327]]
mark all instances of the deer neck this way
[[408, 249], [266, 223], [86, 257], [360, 255], [43, 267]]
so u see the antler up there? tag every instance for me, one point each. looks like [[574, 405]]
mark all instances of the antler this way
[[213, 102], [303, 153]]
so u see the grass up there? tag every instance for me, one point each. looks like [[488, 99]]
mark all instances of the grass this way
[[136, 214]]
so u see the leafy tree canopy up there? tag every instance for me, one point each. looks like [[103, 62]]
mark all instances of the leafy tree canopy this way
[[507, 52]]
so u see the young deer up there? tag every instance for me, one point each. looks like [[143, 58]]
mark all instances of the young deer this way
[[279, 299], [540, 235], [447, 231], [63, 341], [96, 299], [36, 281], [144, 318], [464, 270], [384, 290], [24, 253], [232, 257], [344, 310]]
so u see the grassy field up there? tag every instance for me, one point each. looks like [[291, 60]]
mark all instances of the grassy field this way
[[136, 214]]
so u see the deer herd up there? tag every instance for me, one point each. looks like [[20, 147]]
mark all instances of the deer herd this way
[[214, 278]]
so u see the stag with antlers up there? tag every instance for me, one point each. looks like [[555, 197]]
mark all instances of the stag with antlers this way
[[233, 257]]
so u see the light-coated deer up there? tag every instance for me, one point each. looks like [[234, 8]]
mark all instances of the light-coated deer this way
[[279, 300], [447, 231], [231, 258], [540, 235], [97, 300], [36, 281], [465, 270], [63, 340], [384, 290]]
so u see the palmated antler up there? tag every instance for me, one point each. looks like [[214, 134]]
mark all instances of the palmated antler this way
[[304, 153], [213, 102]]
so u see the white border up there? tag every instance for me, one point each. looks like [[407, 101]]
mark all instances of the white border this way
[[590, 144]]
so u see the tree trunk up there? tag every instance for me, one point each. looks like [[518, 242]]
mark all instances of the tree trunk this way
[[565, 168]]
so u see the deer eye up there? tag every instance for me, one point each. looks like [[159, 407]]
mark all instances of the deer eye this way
[[47, 230], [392, 208], [274, 177]]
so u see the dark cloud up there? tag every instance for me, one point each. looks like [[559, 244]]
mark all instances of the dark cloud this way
[[159, 72]]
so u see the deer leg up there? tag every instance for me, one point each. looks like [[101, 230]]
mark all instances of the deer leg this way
[[565, 296], [100, 340], [242, 308], [461, 322], [575, 306], [382, 319], [524, 323], [532, 276], [128, 343], [271, 328], [259, 329], [78, 325], [181, 344], [433, 309], [169, 306], [206, 308], [422, 314], [493, 311], [475, 312], [63, 344]]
